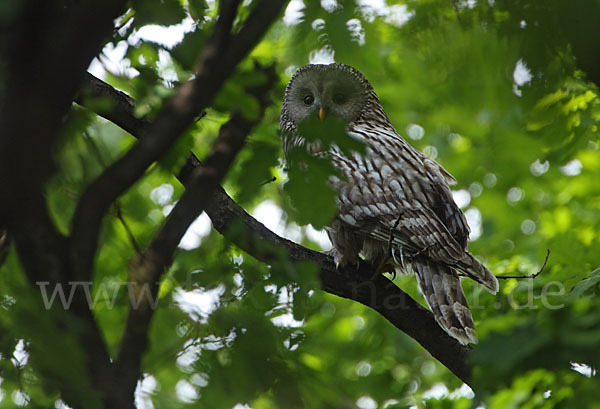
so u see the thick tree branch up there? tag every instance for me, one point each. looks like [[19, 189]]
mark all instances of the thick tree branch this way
[[173, 119], [36, 35], [46, 48], [147, 267], [380, 294], [219, 58], [120, 108], [52, 33]]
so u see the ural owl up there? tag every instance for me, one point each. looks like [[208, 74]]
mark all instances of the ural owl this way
[[395, 206]]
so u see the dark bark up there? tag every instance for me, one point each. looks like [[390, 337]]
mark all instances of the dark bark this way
[[46, 48], [219, 58], [147, 268], [379, 293]]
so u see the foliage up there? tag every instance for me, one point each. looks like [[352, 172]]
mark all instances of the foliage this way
[[493, 90]]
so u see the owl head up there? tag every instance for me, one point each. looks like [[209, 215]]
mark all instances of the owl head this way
[[336, 90]]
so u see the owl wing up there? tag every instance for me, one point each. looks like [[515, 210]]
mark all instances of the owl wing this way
[[395, 190], [395, 193]]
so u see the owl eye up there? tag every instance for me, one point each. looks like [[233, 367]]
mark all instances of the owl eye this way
[[309, 99], [339, 98]]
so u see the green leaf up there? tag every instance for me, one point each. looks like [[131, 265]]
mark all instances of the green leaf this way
[[588, 286], [187, 51], [177, 155], [312, 198], [331, 131], [233, 98], [161, 12], [197, 9], [254, 169]]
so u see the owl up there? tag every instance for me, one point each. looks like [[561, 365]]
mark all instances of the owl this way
[[394, 204]]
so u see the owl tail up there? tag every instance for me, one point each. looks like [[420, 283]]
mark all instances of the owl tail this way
[[441, 287], [478, 272]]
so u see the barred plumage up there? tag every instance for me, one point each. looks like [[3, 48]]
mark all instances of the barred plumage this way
[[391, 192]]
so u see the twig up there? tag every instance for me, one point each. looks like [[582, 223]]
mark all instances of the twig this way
[[273, 179], [530, 275], [117, 205], [202, 115], [130, 235], [392, 231], [4, 245], [389, 253]]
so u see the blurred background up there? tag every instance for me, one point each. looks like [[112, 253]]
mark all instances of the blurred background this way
[[502, 93]]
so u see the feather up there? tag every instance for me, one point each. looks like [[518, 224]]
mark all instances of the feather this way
[[441, 288]]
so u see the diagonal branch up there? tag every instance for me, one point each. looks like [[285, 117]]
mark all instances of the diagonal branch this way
[[380, 294], [172, 121], [120, 109], [219, 58], [148, 267]]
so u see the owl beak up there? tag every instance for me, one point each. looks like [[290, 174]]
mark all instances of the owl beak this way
[[321, 113]]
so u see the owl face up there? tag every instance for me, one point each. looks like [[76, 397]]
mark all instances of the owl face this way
[[326, 90]]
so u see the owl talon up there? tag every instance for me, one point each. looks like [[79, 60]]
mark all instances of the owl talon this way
[[342, 261]]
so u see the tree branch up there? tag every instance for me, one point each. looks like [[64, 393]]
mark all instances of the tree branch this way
[[120, 109], [534, 275], [173, 119], [46, 48], [380, 294], [219, 58], [147, 268], [50, 33]]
